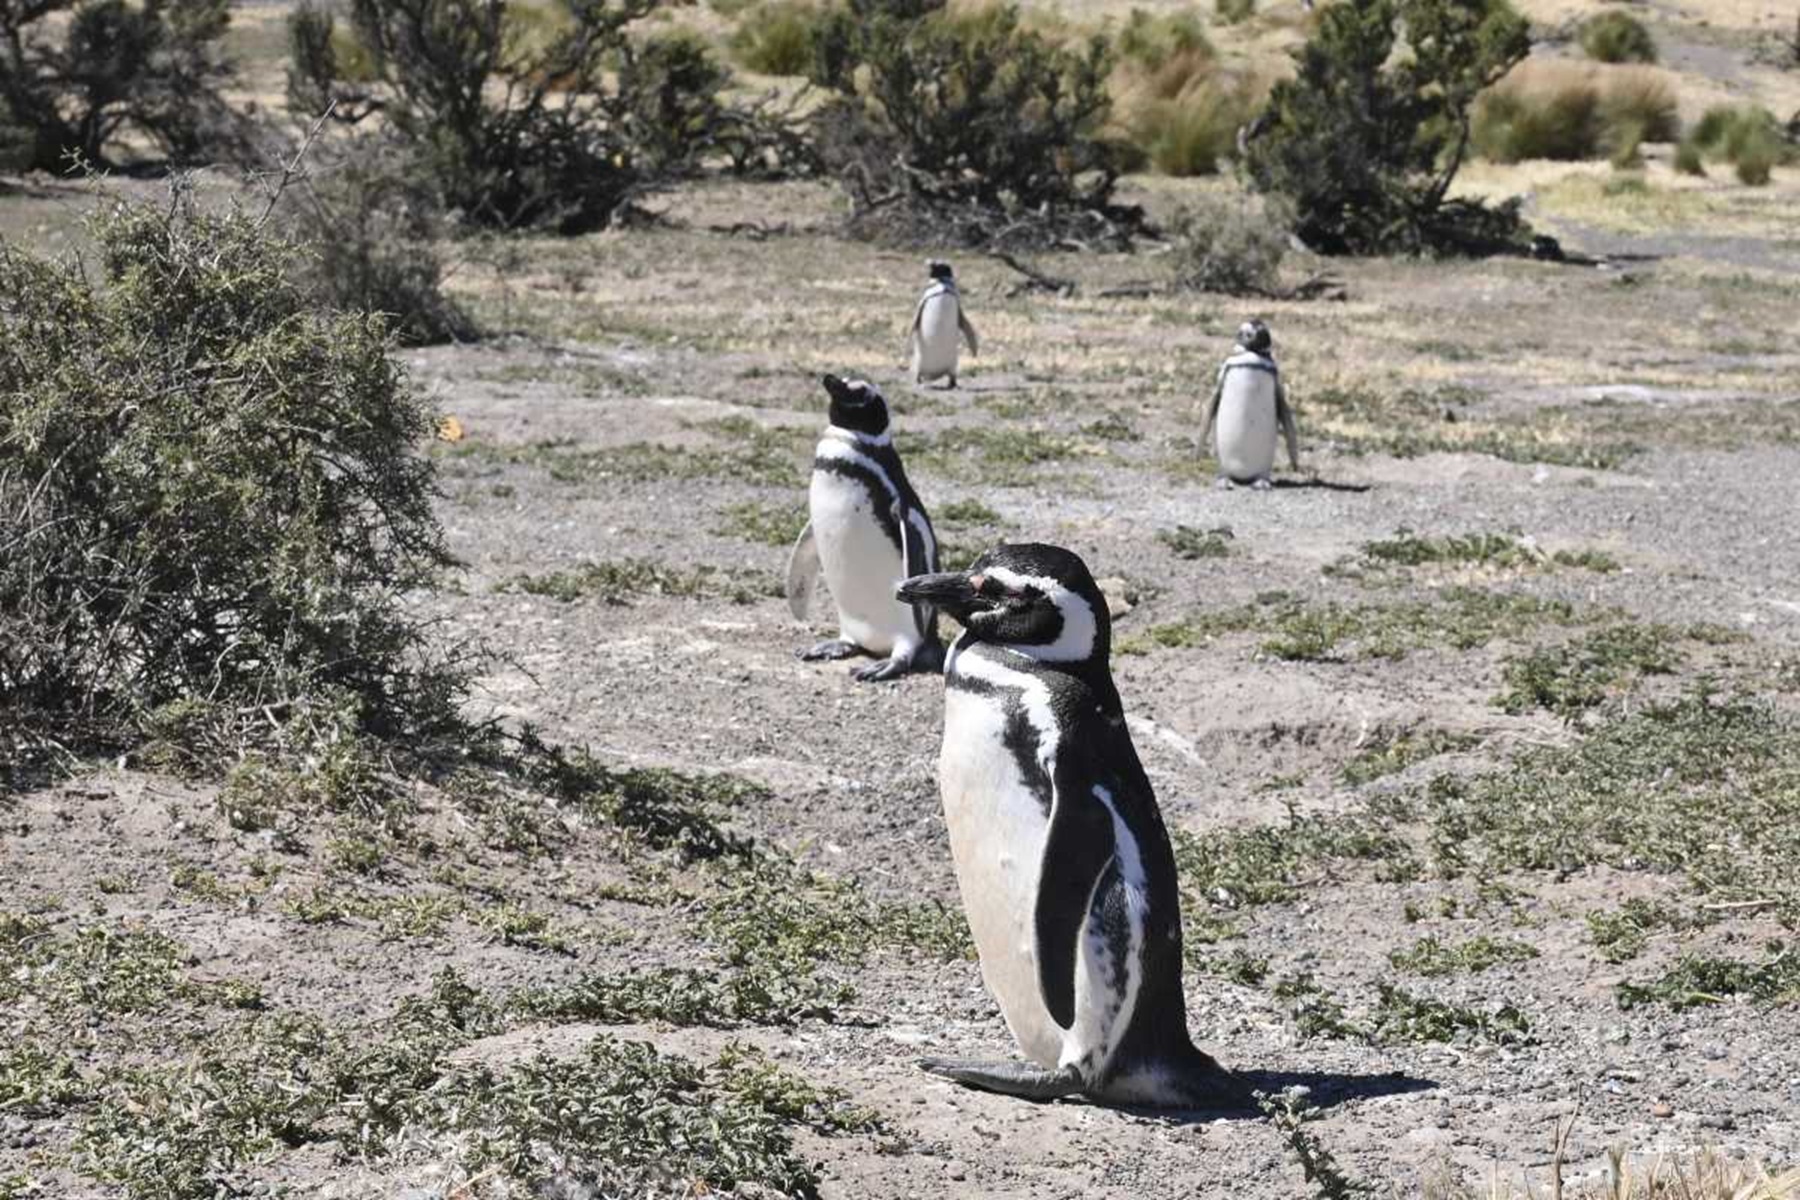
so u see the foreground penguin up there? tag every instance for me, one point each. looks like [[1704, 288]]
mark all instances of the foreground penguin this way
[[1248, 404], [1067, 876], [867, 530], [938, 325]]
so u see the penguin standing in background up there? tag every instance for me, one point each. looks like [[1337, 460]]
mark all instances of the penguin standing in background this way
[[1066, 872], [938, 327], [867, 531], [1247, 405]]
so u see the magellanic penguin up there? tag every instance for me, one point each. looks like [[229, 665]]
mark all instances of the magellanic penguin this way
[[938, 325], [1247, 406], [868, 531], [1066, 871]]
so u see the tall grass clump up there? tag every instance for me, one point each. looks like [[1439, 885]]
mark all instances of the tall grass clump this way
[[1174, 102], [1617, 37], [1746, 136], [776, 37], [211, 491], [1555, 111]]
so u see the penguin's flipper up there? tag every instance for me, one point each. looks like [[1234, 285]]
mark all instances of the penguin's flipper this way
[[1077, 851], [968, 330], [802, 573], [1008, 1078], [914, 560]]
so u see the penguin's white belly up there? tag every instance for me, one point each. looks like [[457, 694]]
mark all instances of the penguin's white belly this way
[[938, 342], [1246, 425], [861, 566], [997, 830]]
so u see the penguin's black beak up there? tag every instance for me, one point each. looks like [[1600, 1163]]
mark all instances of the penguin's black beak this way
[[836, 388], [948, 591]]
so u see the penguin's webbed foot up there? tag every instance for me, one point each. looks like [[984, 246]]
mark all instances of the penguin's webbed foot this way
[[951, 386], [887, 668], [1224, 483], [830, 651], [1008, 1078], [1261, 483]]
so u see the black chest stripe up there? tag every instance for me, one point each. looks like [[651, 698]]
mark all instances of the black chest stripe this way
[[881, 494], [1018, 736]]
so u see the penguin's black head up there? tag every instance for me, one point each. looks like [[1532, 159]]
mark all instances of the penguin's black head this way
[[939, 269], [856, 405], [1039, 600], [1254, 336]]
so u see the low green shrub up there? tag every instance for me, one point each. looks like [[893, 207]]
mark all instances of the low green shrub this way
[[1229, 245], [1746, 136], [1617, 37]]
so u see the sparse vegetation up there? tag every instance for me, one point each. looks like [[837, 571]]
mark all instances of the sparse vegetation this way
[[1460, 617], [1391, 753], [621, 582], [1502, 551], [1578, 675], [1622, 933], [770, 524], [1701, 979], [1184, 541], [1432, 957]]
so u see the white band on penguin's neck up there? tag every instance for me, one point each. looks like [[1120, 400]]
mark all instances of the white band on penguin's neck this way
[[852, 435]]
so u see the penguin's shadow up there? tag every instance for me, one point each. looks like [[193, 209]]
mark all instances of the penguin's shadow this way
[[1321, 485], [1324, 1089]]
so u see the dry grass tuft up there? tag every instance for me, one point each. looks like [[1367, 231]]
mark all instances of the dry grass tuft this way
[[1568, 112]]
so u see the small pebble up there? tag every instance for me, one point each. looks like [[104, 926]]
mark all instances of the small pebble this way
[[1662, 1109]]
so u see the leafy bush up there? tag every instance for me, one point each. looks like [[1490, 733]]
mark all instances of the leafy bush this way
[[80, 79], [212, 492], [1231, 246], [776, 38], [1231, 12], [370, 236], [1570, 114], [1617, 37], [1374, 176], [1748, 137], [964, 127], [515, 124]]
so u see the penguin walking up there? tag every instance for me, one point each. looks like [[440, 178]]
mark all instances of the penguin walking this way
[[938, 325], [1247, 405], [1066, 872], [867, 531]]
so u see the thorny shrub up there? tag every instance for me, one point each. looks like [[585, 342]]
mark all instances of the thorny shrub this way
[[211, 492]]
